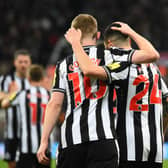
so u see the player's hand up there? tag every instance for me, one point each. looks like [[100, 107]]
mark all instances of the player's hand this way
[[2, 95], [41, 154], [125, 28], [73, 35], [13, 87]]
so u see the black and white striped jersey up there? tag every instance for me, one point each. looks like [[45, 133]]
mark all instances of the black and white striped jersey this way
[[32, 104], [139, 125], [89, 115], [12, 116]]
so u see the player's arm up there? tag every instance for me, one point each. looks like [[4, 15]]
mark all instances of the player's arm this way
[[8, 96], [10, 99], [146, 53], [88, 68], [53, 110]]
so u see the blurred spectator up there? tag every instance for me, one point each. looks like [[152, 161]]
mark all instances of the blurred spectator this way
[[38, 25]]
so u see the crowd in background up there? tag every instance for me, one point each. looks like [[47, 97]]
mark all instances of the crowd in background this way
[[39, 25]]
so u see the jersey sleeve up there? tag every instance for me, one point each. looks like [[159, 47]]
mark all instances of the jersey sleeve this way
[[164, 88], [121, 55], [58, 81], [116, 71], [3, 84]]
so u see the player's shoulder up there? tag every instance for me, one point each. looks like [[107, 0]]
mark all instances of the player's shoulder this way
[[7, 77]]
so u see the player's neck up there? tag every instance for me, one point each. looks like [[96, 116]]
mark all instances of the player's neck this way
[[88, 41], [22, 76], [32, 83]]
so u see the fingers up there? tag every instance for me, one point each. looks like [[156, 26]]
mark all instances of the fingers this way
[[116, 28], [42, 158]]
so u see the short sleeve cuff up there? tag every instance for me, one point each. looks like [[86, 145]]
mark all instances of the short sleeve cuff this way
[[109, 77], [58, 90], [130, 56]]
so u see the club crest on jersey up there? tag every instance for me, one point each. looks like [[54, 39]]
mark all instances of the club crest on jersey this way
[[114, 66], [75, 65]]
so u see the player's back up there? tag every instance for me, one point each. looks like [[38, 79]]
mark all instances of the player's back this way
[[139, 125], [32, 103], [89, 115]]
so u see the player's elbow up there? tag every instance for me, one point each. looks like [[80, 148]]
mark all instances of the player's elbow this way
[[87, 71], [155, 56]]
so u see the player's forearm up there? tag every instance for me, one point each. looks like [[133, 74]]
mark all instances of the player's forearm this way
[[150, 54], [51, 116], [86, 65]]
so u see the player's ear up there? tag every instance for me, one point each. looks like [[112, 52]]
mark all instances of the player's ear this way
[[130, 41], [109, 44], [98, 35]]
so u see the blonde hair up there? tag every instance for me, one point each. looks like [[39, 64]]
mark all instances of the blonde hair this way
[[87, 24]]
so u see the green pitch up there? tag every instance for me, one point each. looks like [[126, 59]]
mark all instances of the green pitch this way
[[4, 165]]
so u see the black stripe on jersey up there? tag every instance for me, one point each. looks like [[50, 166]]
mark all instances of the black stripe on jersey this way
[[12, 76], [56, 82], [100, 129], [69, 120], [39, 115], [130, 56], [121, 52], [84, 115], [112, 104], [83, 121], [138, 126], [15, 124], [2, 83], [151, 121], [161, 117], [49, 95], [109, 69], [28, 121], [122, 95], [22, 84], [121, 123]]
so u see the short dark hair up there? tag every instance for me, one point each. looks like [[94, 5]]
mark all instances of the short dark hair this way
[[21, 52], [36, 72], [114, 33]]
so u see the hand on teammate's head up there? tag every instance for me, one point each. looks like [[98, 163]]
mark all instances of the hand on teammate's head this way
[[123, 28], [73, 35]]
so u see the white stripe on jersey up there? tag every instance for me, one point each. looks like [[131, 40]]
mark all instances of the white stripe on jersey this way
[[11, 131], [145, 126], [92, 121], [129, 117], [106, 118], [158, 118], [33, 127], [96, 120], [24, 147]]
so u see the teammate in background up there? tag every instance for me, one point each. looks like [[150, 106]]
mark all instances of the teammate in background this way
[[32, 103], [87, 133], [22, 61], [139, 124]]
